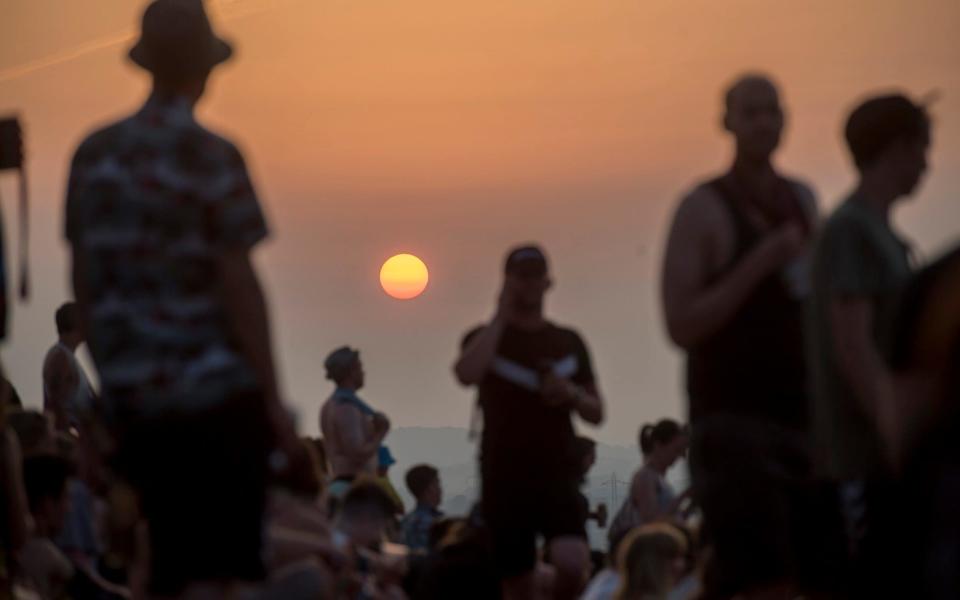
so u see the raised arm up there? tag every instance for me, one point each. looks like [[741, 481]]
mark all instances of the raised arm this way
[[478, 352], [695, 307]]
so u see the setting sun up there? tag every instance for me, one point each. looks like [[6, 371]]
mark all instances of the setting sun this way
[[404, 276]]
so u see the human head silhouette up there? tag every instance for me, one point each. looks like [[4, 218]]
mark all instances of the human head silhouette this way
[[754, 116], [888, 137]]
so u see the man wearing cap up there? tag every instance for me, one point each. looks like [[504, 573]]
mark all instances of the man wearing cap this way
[[161, 217], [860, 265], [352, 430], [532, 377]]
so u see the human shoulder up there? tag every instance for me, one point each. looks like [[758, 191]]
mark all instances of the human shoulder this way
[[702, 202], [100, 142], [804, 194]]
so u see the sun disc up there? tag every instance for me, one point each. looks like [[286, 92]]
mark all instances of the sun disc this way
[[404, 276]]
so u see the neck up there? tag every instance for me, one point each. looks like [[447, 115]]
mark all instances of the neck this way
[[69, 343], [875, 192], [657, 464], [753, 172], [751, 168], [348, 385], [528, 318], [169, 94]]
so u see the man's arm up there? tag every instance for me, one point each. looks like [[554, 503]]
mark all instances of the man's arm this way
[[695, 308], [590, 404], [247, 318], [863, 368], [351, 427], [478, 354]]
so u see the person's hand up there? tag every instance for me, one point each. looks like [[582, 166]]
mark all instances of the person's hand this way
[[284, 434], [506, 301], [782, 245], [557, 391]]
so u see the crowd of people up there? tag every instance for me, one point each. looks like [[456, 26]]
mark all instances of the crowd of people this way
[[822, 368]]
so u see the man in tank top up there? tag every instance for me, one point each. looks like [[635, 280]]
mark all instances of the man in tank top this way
[[67, 393], [734, 281]]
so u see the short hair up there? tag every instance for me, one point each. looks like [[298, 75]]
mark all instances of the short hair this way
[[367, 498], [420, 477], [881, 121], [44, 477], [663, 432], [66, 318], [732, 90]]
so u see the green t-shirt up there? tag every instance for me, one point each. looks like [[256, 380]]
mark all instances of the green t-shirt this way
[[856, 255]]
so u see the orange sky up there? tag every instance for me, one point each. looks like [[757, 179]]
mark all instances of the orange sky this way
[[454, 129]]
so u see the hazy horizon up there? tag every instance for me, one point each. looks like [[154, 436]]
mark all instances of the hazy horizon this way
[[454, 130]]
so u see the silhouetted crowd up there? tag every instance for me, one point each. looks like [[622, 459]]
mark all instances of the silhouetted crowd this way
[[822, 379]]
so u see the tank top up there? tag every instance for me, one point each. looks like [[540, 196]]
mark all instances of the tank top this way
[[754, 365]]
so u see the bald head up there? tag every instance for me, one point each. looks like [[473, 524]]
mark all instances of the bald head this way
[[754, 116]]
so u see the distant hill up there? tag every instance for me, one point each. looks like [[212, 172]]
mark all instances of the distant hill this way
[[449, 449]]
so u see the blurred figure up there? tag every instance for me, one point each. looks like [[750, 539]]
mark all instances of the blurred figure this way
[[46, 569], [161, 218], [423, 481], [734, 273], [14, 508], [734, 281], [67, 393], [861, 266], [352, 430], [651, 560], [651, 496], [532, 377]]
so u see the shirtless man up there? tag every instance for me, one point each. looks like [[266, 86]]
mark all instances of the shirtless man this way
[[352, 431], [67, 393], [734, 280]]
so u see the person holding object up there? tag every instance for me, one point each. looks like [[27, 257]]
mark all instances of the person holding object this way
[[532, 377]]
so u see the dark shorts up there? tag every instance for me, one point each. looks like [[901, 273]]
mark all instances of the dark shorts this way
[[201, 479], [517, 509]]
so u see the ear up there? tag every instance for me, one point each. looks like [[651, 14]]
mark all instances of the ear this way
[[725, 122]]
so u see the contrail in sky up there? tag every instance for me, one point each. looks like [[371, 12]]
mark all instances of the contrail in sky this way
[[225, 10]]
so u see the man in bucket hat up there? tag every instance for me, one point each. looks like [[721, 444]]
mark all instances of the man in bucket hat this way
[[161, 217], [352, 430]]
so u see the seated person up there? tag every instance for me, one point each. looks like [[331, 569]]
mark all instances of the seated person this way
[[423, 481], [46, 569]]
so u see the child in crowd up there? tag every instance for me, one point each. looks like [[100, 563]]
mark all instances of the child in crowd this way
[[423, 481]]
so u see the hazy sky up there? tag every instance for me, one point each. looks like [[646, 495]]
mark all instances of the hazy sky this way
[[452, 130]]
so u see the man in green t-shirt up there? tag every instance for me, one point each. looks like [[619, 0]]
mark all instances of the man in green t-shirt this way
[[860, 264]]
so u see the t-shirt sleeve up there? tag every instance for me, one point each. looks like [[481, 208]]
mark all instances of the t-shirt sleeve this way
[[238, 220], [850, 261], [584, 374]]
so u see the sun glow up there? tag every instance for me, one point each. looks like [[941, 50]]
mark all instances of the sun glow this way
[[404, 276]]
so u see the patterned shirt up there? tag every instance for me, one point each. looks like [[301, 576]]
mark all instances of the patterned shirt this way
[[152, 201], [416, 526]]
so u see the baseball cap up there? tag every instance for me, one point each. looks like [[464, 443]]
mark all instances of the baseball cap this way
[[340, 361], [526, 261]]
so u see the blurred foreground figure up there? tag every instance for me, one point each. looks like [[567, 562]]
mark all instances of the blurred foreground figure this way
[[734, 280], [862, 410], [532, 376], [161, 217]]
